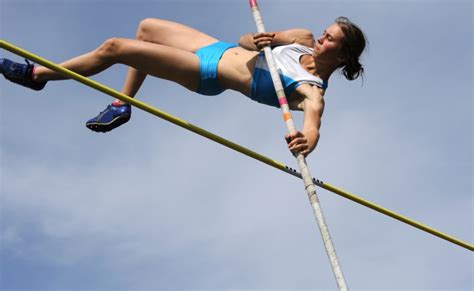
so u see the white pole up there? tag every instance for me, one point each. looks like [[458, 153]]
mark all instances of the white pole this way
[[308, 182]]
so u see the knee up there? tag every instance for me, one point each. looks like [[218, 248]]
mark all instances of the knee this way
[[145, 27], [109, 48]]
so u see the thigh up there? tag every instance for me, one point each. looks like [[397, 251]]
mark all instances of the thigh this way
[[173, 34], [161, 61]]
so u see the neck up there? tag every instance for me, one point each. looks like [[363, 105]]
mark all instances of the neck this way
[[324, 69]]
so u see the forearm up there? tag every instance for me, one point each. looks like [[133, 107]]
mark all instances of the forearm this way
[[312, 137], [256, 42]]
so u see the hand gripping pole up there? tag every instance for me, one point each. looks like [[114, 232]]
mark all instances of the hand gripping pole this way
[[308, 182]]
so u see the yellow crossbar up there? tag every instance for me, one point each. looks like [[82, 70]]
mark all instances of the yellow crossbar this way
[[183, 123]]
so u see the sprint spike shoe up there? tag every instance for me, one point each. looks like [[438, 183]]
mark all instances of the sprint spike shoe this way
[[113, 116], [21, 74]]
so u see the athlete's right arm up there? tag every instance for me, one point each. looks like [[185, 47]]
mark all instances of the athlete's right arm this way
[[257, 41]]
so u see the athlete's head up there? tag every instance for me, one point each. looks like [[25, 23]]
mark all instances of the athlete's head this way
[[341, 45], [353, 45]]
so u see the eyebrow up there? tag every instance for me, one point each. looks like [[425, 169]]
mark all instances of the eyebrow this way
[[325, 32]]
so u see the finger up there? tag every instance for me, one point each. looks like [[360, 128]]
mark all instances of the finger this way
[[263, 42], [298, 140], [265, 38], [292, 143], [299, 148], [298, 145], [259, 35], [299, 137], [299, 134], [296, 134], [289, 137]]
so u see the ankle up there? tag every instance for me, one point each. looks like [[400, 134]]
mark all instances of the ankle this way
[[118, 102], [34, 75]]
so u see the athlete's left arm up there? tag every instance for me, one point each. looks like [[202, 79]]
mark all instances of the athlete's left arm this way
[[305, 141]]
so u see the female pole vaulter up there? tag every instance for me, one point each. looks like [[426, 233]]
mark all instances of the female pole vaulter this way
[[205, 65]]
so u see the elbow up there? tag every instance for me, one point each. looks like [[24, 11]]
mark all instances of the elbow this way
[[304, 37], [242, 40], [246, 42]]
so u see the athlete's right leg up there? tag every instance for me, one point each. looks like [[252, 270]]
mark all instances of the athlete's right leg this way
[[158, 31], [160, 61]]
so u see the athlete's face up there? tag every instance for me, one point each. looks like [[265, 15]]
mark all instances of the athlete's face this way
[[329, 44]]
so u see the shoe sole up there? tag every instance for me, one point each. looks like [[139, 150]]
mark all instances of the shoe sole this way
[[105, 127]]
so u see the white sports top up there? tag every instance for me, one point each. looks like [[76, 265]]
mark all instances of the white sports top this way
[[292, 74]]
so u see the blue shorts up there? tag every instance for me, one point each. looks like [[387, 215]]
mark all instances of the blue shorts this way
[[209, 57]]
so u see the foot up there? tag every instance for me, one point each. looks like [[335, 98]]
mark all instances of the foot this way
[[21, 74], [113, 116]]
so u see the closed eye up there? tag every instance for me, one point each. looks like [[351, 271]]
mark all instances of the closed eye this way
[[327, 35]]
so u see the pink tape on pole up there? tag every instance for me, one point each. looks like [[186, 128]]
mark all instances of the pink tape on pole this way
[[253, 3], [282, 101]]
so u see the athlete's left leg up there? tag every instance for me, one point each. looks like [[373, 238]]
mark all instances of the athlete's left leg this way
[[153, 59]]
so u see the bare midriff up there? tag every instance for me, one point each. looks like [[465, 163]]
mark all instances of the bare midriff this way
[[235, 69]]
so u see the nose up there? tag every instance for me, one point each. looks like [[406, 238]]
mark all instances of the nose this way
[[321, 39]]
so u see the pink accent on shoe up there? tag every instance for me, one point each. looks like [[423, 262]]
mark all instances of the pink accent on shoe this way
[[117, 103]]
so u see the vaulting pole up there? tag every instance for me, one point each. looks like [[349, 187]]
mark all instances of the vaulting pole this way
[[308, 182]]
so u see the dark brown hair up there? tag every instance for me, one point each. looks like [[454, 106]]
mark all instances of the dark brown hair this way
[[352, 47]]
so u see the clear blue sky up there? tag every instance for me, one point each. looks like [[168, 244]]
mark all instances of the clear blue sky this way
[[150, 206]]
